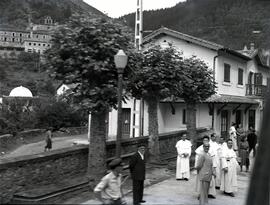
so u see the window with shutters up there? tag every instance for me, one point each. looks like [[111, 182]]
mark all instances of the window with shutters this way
[[227, 70], [240, 76]]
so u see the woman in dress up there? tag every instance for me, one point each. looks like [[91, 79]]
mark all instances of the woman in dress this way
[[48, 139]]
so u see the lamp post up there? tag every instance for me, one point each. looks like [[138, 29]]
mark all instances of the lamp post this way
[[120, 60]]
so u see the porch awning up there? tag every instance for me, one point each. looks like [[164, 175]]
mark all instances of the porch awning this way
[[231, 99]]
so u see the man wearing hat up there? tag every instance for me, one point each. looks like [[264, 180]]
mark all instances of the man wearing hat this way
[[137, 170], [109, 190]]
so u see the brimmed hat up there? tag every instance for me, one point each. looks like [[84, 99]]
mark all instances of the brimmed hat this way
[[115, 163], [141, 145]]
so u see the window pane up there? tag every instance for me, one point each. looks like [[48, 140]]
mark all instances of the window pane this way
[[227, 68], [240, 76]]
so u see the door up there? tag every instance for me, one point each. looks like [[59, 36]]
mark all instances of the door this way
[[250, 76], [238, 117], [258, 78], [126, 123], [251, 118], [224, 123]]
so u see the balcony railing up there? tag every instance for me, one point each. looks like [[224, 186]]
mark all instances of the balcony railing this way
[[256, 90]]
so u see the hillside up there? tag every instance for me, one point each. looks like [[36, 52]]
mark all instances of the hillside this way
[[15, 13], [227, 22], [27, 70]]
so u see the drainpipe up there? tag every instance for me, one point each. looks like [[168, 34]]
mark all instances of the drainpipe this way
[[214, 74]]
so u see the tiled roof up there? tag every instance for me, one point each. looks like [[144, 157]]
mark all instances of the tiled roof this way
[[195, 40], [231, 99], [219, 99]]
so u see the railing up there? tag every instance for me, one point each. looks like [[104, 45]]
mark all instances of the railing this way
[[256, 90]]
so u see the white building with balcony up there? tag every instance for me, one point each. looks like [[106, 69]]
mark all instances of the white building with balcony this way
[[242, 78]]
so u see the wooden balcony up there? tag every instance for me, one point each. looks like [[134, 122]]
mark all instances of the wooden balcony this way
[[256, 90]]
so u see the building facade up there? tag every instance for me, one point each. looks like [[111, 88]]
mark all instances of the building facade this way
[[242, 78], [35, 38]]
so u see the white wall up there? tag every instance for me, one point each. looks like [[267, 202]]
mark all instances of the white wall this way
[[189, 49], [231, 88]]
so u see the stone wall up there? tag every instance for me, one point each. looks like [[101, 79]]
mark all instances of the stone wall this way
[[26, 172]]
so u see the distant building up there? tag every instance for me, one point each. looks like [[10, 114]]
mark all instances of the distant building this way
[[35, 38]]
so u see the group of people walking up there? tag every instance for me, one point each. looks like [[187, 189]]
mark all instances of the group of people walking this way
[[215, 162]]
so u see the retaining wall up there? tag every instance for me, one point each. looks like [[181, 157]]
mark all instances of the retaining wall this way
[[26, 172]]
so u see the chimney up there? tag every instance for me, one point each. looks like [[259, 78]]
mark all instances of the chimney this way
[[267, 55], [252, 46], [245, 49]]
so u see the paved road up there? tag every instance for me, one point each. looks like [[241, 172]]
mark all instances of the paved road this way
[[183, 193], [38, 147]]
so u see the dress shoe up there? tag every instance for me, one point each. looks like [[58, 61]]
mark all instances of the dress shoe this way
[[231, 194], [142, 201], [186, 179], [217, 187], [211, 196]]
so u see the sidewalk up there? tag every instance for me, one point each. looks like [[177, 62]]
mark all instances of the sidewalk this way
[[171, 191]]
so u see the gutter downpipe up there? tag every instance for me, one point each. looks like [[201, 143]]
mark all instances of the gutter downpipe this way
[[214, 75]]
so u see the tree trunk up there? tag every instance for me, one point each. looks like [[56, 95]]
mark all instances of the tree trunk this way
[[153, 141], [191, 122], [97, 147]]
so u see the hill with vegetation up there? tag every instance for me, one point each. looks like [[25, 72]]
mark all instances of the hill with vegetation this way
[[17, 12], [233, 23], [27, 70]]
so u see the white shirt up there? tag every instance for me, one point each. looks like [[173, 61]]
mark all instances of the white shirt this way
[[110, 186], [141, 155]]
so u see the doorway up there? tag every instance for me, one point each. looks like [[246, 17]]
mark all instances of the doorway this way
[[126, 123], [251, 118], [224, 124]]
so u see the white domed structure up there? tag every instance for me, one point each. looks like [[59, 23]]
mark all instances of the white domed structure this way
[[20, 92]]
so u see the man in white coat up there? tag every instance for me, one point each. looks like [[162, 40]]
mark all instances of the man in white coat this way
[[199, 151], [229, 170], [215, 147], [183, 147], [233, 136]]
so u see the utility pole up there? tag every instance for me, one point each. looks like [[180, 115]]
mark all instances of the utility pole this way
[[139, 25], [138, 46]]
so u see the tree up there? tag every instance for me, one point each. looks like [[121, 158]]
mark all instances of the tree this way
[[198, 85], [155, 76], [83, 53]]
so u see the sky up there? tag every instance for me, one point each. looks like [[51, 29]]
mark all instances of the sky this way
[[117, 8]]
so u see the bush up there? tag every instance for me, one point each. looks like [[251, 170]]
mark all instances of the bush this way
[[59, 114], [48, 113]]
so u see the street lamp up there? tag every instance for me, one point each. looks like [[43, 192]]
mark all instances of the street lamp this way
[[120, 60]]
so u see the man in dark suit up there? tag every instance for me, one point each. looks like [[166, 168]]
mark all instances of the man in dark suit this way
[[137, 170]]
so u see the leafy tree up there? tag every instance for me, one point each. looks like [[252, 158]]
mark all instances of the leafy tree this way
[[155, 76], [198, 85], [83, 53]]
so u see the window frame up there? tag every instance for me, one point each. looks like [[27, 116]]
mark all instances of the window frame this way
[[227, 76]]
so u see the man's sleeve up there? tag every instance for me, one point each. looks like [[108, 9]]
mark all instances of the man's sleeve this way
[[101, 185], [200, 162], [132, 162]]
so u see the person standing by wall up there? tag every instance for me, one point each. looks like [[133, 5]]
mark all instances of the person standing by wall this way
[[252, 140], [205, 172], [48, 139], [109, 189], [183, 147], [137, 170], [229, 170]]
